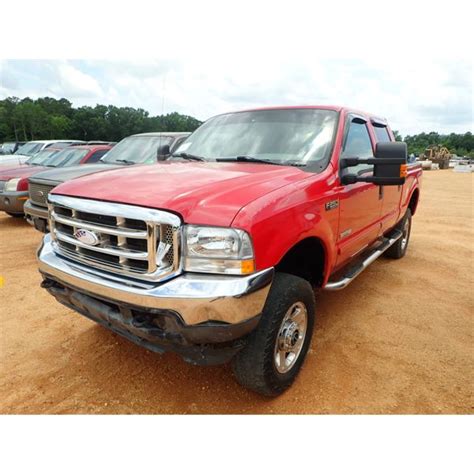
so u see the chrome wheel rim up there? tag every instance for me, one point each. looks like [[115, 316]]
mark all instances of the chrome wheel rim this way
[[406, 229], [291, 337]]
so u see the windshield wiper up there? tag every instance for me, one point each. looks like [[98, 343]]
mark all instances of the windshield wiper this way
[[188, 156], [251, 159], [127, 162]]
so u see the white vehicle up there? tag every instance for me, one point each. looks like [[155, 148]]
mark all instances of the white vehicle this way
[[31, 148]]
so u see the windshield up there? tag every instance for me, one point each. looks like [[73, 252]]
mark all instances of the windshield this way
[[7, 147], [135, 150], [67, 157], [283, 136], [41, 157], [29, 149]]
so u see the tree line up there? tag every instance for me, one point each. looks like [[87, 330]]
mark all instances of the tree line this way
[[461, 144], [48, 118]]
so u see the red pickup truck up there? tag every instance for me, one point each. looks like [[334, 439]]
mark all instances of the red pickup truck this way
[[216, 253]]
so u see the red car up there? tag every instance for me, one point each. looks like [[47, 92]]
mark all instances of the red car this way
[[14, 181], [216, 253]]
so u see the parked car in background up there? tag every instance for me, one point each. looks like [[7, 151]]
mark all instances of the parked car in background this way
[[100, 142], [8, 148], [145, 148], [30, 149], [136, 149], [14, 181], [216, 253]]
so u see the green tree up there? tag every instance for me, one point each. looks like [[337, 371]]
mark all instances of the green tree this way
[[397, 136]]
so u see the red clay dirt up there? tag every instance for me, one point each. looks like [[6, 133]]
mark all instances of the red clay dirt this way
[[399, 339]]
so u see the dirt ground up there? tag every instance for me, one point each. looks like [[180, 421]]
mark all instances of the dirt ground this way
[[399, 339]]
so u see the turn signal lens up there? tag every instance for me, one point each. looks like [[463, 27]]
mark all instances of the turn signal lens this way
[[403, 171], [247, 266]]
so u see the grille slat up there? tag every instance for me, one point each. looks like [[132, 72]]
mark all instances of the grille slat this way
[[120, 242], [132, 254], [135, 234], [90, 260]]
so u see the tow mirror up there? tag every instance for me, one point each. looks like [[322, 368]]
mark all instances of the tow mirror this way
[[390, 165], [163, 152]]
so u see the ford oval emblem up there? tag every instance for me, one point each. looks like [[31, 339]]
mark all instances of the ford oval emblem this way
[[86, 236]]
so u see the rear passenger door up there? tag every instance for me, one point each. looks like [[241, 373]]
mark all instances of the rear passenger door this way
[[391, 195], [359, 203]]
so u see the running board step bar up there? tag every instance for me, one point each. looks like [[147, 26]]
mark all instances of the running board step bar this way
[[356, 270]]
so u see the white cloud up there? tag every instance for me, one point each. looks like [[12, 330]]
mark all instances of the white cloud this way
[[415, 95], [71, 82]]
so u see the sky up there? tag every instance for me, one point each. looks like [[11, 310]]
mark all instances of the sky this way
[[410, 98], [207, 57]]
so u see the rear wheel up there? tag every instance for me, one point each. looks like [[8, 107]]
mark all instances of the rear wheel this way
[[275, 351], [399, 248]]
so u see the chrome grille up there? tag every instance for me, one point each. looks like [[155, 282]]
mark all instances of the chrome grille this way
[[39, 193], [137, 242]]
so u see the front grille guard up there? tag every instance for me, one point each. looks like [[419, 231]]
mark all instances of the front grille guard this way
[[161, 227]]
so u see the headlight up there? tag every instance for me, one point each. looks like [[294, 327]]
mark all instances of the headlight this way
[[11, 184], [218, 250]]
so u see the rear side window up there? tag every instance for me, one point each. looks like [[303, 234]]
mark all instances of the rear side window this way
[[358, 145], [381, 134], [95, 157]]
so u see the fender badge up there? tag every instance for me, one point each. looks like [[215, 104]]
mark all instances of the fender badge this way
[[331, 204]]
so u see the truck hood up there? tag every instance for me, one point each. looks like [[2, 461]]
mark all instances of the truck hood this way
[[202, 193], [20, 172], [59, 175]]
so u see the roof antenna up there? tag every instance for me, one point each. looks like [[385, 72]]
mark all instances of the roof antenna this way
[[162, 107]]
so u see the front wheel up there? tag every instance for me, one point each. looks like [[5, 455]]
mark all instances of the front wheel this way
[[275, 351]]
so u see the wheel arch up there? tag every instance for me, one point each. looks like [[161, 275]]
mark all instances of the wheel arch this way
[[413, 202], [308, 259]]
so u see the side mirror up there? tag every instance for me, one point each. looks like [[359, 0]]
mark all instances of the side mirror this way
[[390, 165], [163, 152]]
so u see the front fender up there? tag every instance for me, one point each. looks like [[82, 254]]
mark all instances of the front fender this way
[[281, 219]]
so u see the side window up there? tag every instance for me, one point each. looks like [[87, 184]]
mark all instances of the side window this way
[[381, 134], [95, 157], [358, 145]]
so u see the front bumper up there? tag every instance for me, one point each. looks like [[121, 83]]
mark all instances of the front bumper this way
[[37, 216], [189, 310], [13, 202]]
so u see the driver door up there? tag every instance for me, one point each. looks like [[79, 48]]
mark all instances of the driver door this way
[[360, 203]]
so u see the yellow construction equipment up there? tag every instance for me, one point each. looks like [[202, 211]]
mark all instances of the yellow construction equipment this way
[[437, 154]]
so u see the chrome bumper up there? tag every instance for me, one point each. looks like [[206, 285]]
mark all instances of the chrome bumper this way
[[197, 298], [35, 211]]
